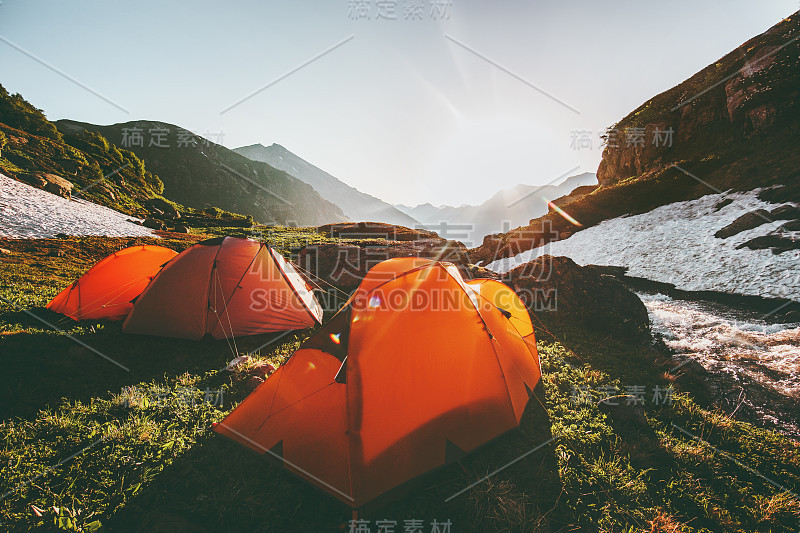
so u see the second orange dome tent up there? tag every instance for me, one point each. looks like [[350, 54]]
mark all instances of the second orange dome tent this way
[[224, 287], [418, 368]]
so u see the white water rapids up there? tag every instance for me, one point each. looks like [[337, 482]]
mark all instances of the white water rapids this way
[[756, 361]]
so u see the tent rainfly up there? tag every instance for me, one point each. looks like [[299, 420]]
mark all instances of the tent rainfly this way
[[224, 287], [105, 292], [417, 369]]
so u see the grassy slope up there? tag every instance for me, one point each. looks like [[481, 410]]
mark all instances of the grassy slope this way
[[159, 467], [198, 176]]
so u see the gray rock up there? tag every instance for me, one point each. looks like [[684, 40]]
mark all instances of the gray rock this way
[[785, 212], [161, 207], [750, 220], [153, 224], [58, 185], [559, 289], [794, 225]]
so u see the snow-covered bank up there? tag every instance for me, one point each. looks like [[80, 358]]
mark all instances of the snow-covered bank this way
[[28, 212], [675, 244]]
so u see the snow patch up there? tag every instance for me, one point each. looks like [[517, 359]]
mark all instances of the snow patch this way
[[28, 212], [675, 244]]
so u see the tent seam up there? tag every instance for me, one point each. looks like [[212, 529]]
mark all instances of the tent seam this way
[[208, 290], [286, 279], [492, 340]]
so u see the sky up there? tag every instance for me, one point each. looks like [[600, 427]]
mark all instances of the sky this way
[[413, 101]]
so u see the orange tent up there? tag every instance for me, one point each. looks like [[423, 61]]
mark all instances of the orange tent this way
[[224, 287], [417, 369], [106, 290]]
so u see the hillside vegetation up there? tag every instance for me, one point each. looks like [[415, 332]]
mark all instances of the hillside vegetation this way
[[199, 173], [33, 146], [192, 172]]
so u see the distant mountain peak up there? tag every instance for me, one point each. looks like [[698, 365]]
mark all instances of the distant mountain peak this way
[[473, 222], [357, 206]]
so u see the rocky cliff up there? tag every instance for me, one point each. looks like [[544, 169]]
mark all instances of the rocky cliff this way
[[731, 126], [749, 94]]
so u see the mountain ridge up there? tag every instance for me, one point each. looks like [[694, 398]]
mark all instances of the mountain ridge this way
[[355, 204], [199, 173]]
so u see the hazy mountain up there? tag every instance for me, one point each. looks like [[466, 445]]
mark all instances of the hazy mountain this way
[[198, 173], [507, 209], [357, 206]]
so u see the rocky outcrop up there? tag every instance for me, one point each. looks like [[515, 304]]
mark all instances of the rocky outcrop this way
[[51, 183], [723, 203], [160, 208], [58, 185], [785, 212], [345, 265], [556, 288], [750, 92], [153, 223], [374, 230], [578, 192], [794, 225], [750, 220], [782, 193], [365, 244], [776, 242], [519, 240]]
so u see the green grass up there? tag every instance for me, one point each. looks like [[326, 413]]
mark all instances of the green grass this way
[[148, 461]]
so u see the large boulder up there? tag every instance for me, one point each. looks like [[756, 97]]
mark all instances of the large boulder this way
[[152, 223], [161, 208], [750, 220], [785, 212], [374, 230], [557, 289], [782, 193], [794, 225], [500, 245], [778, 243], [57, 185], [32, 180]]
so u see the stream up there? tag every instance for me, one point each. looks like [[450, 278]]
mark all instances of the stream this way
[[752, 364]]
